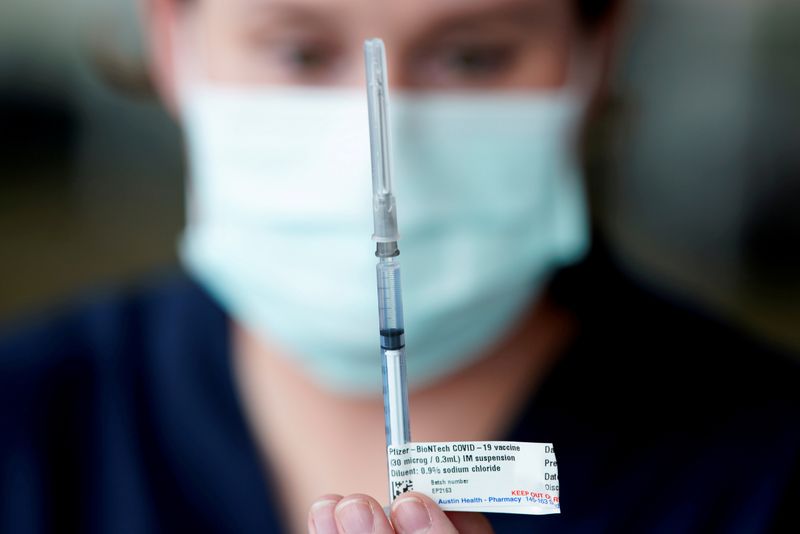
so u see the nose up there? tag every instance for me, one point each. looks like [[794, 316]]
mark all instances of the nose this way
[[396, 66]]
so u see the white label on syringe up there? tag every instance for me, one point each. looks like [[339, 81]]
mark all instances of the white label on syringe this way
[[479, 476]]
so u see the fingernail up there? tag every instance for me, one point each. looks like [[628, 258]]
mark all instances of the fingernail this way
[[355, 516], [411, 516], [322, 517]]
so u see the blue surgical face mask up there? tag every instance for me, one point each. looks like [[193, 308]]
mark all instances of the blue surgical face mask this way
[[490, 203]]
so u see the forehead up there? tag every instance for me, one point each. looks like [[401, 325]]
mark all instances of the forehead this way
[[389, 16]]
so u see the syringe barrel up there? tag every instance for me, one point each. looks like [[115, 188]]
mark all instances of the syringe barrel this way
[[390, 302], [392, 331], [395, 397]]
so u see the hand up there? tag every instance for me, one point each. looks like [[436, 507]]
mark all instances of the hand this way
[[412, 513]]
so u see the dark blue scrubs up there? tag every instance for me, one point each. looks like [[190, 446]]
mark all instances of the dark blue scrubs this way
[[120, 415]]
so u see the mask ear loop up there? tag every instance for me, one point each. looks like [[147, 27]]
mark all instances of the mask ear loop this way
[[188, 68], [583, 73]]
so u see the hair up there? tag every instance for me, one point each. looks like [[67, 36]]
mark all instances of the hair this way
[[594, 12]]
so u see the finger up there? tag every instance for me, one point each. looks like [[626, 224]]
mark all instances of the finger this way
[[320, 515], [361, 514], [414, 513]]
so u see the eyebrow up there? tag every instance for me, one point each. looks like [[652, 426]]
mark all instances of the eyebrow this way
[[467, 18]]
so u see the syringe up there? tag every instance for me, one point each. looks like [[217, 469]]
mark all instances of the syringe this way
[[384, 212]]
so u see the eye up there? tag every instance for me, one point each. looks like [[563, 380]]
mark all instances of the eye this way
[[467, 62], [476, 60], [307, 58]]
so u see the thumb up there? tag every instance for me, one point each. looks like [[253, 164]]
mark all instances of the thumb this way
[[414, 513], [470, 522]]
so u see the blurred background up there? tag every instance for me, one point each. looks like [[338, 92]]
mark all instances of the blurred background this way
[[694, 168]]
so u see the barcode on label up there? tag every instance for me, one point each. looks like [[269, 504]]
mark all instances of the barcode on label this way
[[401, 486]]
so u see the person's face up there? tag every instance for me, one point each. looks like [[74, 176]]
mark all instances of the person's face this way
[[431, 44]]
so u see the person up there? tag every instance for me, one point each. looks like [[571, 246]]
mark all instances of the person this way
[[230, 396]]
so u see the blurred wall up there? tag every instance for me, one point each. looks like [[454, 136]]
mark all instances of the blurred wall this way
[[90, 178], [701, 188], [694, 174]]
